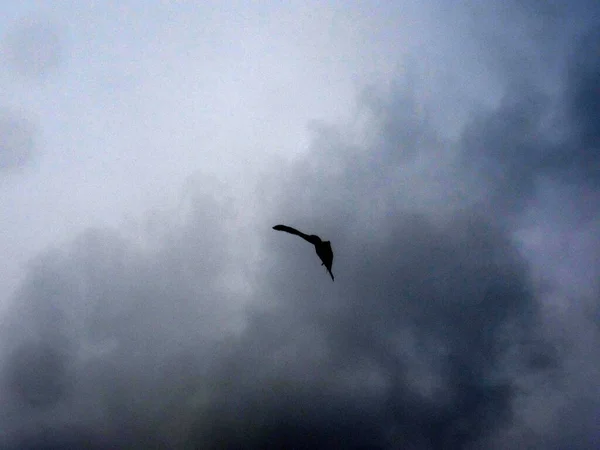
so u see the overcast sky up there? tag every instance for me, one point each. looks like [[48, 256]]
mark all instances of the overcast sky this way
[[451, 154]]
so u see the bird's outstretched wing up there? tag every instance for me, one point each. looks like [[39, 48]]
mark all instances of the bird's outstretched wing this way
[[293, 231]]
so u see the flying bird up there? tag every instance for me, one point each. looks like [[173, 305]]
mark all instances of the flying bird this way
[[323, 248]]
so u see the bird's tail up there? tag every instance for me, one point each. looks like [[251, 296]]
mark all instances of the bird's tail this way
[[323, 264]]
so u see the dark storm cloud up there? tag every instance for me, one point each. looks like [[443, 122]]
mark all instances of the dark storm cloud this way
[[17, 140], [532, 135], [407, 348], [421, 338], [542, 148], [405, 353], [38, 374], [34, 48], [61, 439], [420, 343], [582, 102], [111, 326]]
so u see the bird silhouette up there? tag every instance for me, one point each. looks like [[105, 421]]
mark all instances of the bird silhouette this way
[[323, 248]]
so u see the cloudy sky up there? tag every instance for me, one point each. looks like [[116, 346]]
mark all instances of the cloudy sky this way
[[449, 152]]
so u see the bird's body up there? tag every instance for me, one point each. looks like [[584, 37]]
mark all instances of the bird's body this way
[[323, 248]]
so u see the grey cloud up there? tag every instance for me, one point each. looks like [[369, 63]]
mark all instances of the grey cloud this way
[[407, 347], [34, 48], [422, 342], [111, 324], [582, 100], [18, 136], [532, 135], [38, 375], [63, 438], [408, 356]]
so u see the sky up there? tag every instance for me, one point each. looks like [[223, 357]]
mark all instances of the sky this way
[[449, 152]]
